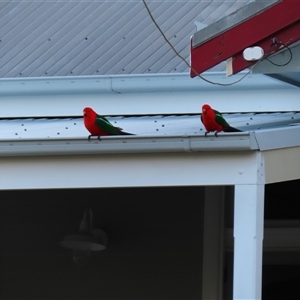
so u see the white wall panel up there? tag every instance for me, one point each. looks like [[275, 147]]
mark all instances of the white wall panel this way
[[282, 164]]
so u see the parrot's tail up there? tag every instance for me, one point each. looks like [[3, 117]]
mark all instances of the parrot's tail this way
[[126, 133], [232, 129], [121, 132]]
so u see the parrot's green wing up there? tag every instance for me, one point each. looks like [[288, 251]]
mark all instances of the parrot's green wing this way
[[102, 117], [220, 120], [106, 126]]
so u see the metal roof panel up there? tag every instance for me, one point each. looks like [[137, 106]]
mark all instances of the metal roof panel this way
[[59, 38]]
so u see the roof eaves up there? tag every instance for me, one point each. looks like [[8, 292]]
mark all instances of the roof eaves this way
[[130, 144]]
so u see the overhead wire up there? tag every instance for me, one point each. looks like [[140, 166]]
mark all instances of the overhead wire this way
[[282, 65]]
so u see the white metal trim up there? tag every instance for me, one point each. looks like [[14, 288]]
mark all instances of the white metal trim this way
[[143, 95]]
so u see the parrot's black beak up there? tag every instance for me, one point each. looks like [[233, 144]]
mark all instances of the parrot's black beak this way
[[84, 114]]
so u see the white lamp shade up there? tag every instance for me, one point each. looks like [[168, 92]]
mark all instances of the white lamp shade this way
[[95, 242]]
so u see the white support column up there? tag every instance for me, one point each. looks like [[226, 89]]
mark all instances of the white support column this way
[[248, 238], [213, 243]]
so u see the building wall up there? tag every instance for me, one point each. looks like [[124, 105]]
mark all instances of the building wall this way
[[155, 245]]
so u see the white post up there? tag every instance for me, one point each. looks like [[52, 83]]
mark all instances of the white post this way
[[213, 243], [248, 239]]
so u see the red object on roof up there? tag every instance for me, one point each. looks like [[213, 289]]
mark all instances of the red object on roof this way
[[280, 22]]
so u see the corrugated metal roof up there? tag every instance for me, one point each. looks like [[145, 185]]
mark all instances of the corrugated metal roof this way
[[159, 125], [59, 38]]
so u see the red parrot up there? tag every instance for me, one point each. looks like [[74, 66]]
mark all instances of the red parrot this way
[[98, 125], [213, 121]]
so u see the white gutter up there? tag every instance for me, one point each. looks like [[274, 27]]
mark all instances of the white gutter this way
[[129, 144], [261, 140]]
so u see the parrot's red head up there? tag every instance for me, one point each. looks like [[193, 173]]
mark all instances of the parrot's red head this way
[[205, 107], [88, 112]]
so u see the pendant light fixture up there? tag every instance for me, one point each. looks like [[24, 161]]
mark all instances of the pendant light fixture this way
[[86, 241]]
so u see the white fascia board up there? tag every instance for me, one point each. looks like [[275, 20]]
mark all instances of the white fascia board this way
[[129, 170], [129, 144], [143, 95]]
